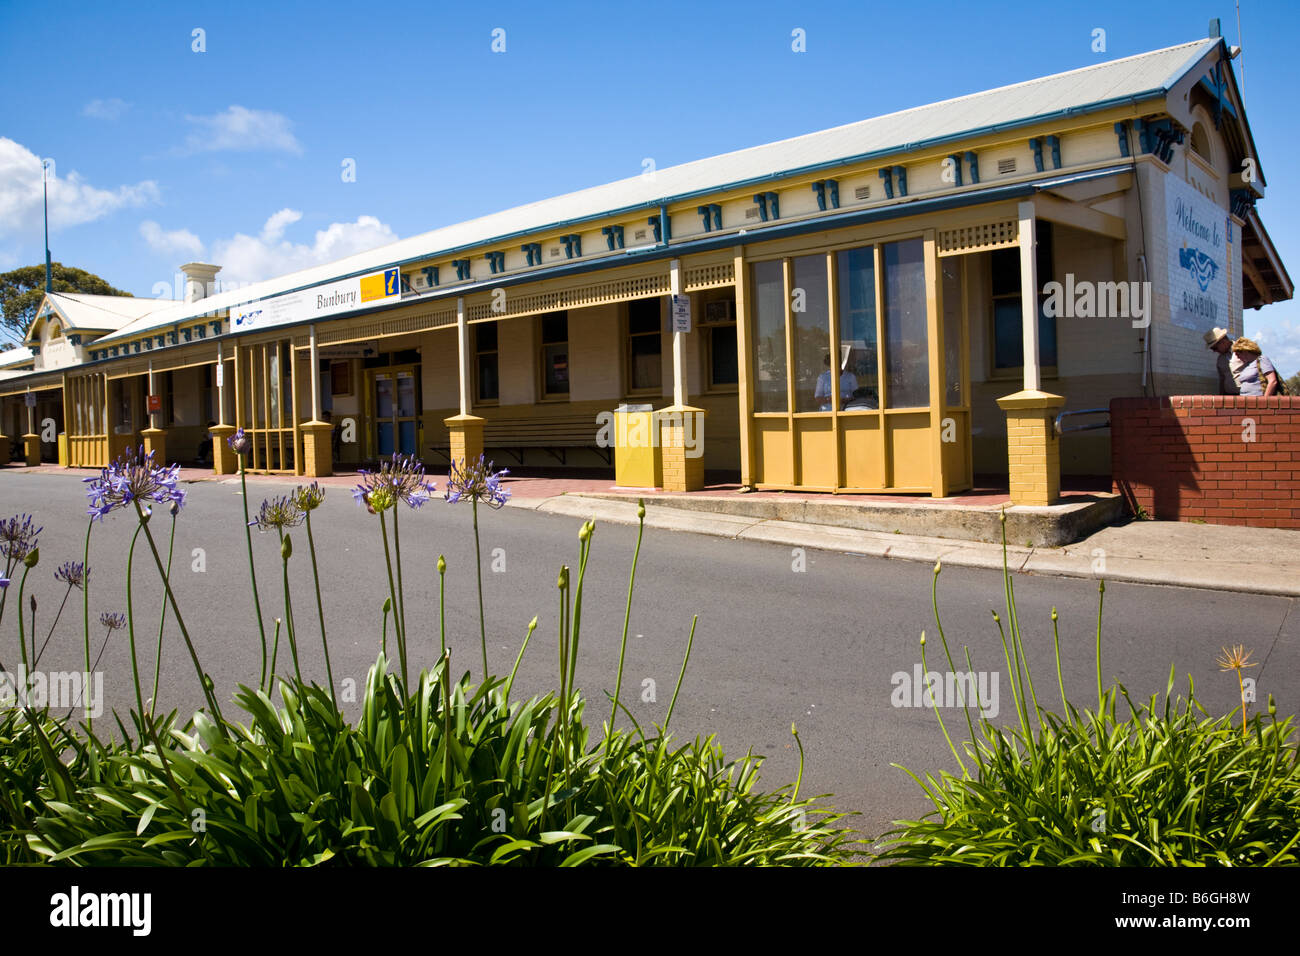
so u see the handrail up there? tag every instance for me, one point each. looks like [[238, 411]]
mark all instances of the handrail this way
[[1083, 428]]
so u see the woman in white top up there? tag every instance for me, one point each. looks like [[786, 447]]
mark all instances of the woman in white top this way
[[1254, 373]]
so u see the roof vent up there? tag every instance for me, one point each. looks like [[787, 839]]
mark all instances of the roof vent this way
[[200, 280], [1006, 166], [862, 192]]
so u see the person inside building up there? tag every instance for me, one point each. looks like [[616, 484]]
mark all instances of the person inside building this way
[[1219, 341], [848, 383], [203, 455], [1253, 371]]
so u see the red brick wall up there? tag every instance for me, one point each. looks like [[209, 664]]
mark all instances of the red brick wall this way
[[1184, 457]]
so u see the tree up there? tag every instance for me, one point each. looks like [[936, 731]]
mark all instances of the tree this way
[[22, 289], [1293, 384]]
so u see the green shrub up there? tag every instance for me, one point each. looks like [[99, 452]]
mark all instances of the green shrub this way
[[1158, 784]]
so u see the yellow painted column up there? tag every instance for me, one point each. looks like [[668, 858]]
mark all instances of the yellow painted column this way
[[681, 440], [32, 449], [1033, 447], [317, 449], [466, 433], [155, 440], [223, 458]]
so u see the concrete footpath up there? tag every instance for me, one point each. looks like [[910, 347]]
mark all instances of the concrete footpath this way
[[1220, 557]]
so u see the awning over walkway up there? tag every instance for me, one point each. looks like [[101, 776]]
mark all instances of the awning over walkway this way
[[1265, 277]]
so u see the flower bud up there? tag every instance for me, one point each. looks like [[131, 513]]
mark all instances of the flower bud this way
[[532, 625], [1053, 614], [584, 532], [442, 565], [640, 508], [286, 548], [33, 558], [32, 601], [173, 507], [388, 605], [923, 638], [938, 566], [563, 581]]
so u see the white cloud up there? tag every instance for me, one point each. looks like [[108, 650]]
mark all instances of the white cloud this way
[[177, 240], [72, 200], [1280, 341], [241, 129], [110, 109], [244, 258]]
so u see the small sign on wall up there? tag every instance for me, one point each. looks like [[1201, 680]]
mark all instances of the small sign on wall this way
[[155, 403], [681, 313], [30, 399], [221, 374]]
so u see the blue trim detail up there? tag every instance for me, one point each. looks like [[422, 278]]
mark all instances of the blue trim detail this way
[[712, 216], [667, 220], [533, 253], [900, 173], [887, 174], [1036, 144], [768, 206], [1054, 144], [819, 189], [572, 246], [973, 165], [956, 162], [496, 261], [658, 228], [462, 268], [833, 187], [613, 237], [1121, 133]]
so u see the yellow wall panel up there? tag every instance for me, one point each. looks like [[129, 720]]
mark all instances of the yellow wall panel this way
[[909, 446], [863, 451]]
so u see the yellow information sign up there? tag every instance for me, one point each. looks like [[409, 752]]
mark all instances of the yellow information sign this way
[[381, 285]]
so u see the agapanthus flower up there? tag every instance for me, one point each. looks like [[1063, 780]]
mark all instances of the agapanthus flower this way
[[476, 481], [18, 536], [72, 573], [4, 583], [401, 478], [133, 477], [114, 622], [241, 443], [278, 513], [309, 497]]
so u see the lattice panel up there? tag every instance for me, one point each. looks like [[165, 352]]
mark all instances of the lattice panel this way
[[979, 238], [379, 328], [709, 277], [603, 293]]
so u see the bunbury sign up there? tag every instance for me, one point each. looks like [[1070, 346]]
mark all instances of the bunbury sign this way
[[1199, 268], [318, 302]]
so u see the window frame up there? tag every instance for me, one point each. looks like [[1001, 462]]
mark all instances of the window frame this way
[[475, 352], [629, 389], [707, 328], [543, 396], [1015, 372]]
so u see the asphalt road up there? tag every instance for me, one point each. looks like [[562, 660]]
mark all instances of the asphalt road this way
[[817, 647]]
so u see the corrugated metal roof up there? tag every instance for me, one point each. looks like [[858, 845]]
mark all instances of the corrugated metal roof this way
[[17, 356], [82, 311], [1071, 92]]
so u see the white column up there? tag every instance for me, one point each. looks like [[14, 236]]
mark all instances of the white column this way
[[315, 373], [679, 338], [1029, 296], [31, 416], [153, 421], [221, 384], [462, 345]]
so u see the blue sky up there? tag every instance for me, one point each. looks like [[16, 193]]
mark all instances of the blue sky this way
[[234, 155]]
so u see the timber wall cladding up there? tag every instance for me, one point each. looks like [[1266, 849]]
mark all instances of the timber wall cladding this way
[[1219, 459]]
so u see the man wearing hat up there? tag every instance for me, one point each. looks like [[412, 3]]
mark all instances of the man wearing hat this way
[[1220, 341], [1254, 373]]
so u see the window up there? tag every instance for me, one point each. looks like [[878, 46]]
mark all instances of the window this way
[[769, 340], [857, 314], [555, 355], [718, 329], [1008, 325], [811, 317], [645, 345], [486, 363], [1200, 143], [907, 339]]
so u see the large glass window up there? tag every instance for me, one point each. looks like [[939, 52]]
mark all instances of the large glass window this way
[[857, 313], [769, 340], [810, 310], [907, 345], [555, 355], [486, 362], [645, 345]]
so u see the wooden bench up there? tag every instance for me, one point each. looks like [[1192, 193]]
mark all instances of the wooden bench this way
[[553, 434]]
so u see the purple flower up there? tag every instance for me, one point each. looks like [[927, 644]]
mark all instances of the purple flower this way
[[72, 573], [4, 583], [113, 622], [278, 513], [240, 443], [476, 481], [309, 497], [133, 477], [18, 537], [402, 478]]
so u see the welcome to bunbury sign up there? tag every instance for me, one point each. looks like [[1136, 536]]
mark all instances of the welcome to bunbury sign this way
[[318, 302], [1199, 238]]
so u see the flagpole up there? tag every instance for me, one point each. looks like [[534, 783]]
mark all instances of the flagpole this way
[[45, 189]]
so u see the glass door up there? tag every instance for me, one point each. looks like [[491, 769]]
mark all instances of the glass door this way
[[395, 398]]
